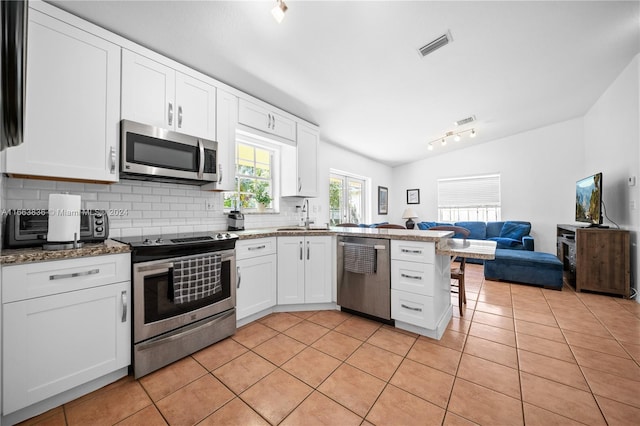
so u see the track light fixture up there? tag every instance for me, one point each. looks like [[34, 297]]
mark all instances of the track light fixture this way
[[279, 10], [455, 135]]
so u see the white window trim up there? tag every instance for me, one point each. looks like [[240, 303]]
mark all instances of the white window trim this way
[[273, 146]]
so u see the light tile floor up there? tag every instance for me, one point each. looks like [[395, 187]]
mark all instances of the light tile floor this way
[[520, 355]]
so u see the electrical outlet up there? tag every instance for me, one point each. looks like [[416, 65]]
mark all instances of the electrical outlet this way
[[632, 204], [209, 204]]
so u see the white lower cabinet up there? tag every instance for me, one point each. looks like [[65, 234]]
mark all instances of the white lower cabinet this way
[[64, 324], [256, 276], [420, 288], [305, 270]]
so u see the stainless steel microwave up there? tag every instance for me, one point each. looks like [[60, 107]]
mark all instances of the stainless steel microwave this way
[[152, 153]]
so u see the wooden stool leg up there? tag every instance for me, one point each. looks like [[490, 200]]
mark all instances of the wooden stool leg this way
[[462, 294]]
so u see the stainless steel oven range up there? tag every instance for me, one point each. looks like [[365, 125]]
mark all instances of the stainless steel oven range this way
[[170, 319]]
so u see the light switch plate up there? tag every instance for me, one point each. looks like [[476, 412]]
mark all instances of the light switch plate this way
[[632, 181]]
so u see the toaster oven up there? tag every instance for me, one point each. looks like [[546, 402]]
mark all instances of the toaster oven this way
[[28, 228]]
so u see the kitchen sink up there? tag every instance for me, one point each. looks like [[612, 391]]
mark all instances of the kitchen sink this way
[[301, 229]]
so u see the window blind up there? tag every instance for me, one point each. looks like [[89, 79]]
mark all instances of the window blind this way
[[472, 191]]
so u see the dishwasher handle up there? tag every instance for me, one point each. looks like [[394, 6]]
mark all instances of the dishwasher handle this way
[[376, 246]]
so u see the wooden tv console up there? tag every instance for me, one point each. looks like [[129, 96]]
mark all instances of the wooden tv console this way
[[595, 259]]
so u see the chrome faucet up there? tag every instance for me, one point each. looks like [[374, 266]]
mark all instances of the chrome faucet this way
[[305, 208]]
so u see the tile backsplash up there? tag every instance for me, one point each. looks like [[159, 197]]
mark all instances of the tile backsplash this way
[[144, 208]]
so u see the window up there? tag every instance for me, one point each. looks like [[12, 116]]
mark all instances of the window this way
[[469, 198], [254, 178], [346, 199]]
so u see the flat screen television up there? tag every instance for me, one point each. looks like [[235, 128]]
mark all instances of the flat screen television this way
[[589, 200]]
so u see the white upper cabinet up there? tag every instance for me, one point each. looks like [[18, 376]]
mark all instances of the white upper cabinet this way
[[300, 165], [72, 104], [267, 120], [158, 95], [226, 122]]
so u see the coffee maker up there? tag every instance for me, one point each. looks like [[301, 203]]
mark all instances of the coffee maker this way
[[235, 221]]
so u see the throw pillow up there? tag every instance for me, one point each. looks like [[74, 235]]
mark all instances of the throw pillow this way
[[514, 230], [426, 225]]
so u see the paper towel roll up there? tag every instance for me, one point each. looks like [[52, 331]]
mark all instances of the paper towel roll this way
[[64, 218]]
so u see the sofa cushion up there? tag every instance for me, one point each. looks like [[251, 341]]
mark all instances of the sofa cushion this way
[[478, 229], [494, 228], [373, 225], [506, 243], [515, 230]]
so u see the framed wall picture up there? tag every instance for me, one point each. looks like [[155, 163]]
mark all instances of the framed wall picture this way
[[383, 200], [413, 196]]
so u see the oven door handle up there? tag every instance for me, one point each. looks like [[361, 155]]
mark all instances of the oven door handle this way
[[157, 266]]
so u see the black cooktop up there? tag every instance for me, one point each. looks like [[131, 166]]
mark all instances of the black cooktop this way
[[185, 238], [153, 247]]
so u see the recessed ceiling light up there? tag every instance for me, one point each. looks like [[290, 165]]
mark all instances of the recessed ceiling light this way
[[279, 10]]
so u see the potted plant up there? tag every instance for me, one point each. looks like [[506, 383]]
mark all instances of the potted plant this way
[[261, 195]]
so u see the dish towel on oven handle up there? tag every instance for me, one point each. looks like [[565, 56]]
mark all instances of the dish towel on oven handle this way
[[360, 258], [196, 277]]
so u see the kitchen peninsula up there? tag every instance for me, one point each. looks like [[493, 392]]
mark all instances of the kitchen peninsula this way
[[420, 278]]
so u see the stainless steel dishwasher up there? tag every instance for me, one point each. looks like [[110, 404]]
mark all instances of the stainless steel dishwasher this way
[[366, 293]]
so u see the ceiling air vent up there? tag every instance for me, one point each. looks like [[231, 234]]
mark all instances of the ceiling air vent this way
[[436, 44], [465, 121]]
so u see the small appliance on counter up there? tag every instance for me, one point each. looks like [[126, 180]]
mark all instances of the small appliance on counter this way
[[30, 228], [235, 221]]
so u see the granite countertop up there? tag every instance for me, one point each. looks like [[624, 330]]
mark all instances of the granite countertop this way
[[444, 244], [478, 249], [390, 234], [37, 254]]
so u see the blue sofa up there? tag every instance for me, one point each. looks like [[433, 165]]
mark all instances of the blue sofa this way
[[510, 235]]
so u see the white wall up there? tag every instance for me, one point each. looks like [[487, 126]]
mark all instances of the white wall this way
[[538, 170], [612, 140], [333, 157]]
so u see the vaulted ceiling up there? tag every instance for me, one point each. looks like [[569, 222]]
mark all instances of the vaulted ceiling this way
[[353, 67]]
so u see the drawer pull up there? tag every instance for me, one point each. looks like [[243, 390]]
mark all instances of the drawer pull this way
[[410, 308], [257, 247], [413, 277], [74, 274], [412, 251]]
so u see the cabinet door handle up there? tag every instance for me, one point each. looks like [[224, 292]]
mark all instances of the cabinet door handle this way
[[410, 308], [299, 184], [74, 274], [257, 247], [179, 116], [112, 154], [170, 114], [273, 122], [412, 251], [123, 298], [239, 280], [220, 173], [413, 277], [300, 250], [308, 250]]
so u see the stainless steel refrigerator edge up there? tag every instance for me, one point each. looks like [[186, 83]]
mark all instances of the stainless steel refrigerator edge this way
[[13, 52], [366, 293]]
